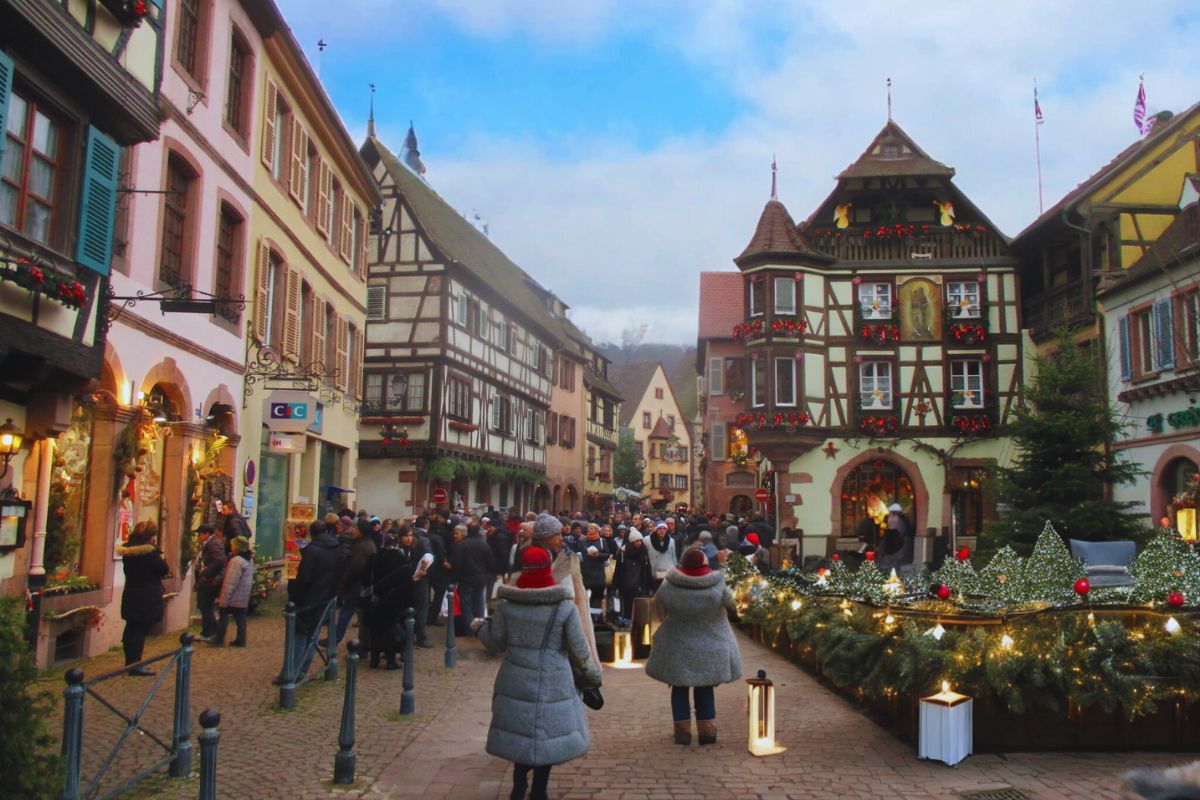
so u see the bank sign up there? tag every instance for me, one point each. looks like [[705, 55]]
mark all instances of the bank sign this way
[[289, 411], [1187, 418]]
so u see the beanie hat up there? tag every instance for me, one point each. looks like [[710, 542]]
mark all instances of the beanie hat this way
[[636, 536], [694, 563], [545, 526], [535, 569], [660, 526], [896, 508], [752, 538], [240, 544]]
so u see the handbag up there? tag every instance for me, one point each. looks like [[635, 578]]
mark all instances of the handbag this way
[[610, 571]]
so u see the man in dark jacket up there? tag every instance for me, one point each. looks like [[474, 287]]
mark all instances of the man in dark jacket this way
[[210, 567], [473, 567], [315, 584], [500, 541], [766, 533], [358, 561]]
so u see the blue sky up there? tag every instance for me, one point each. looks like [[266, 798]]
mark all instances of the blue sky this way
[[617, 149]]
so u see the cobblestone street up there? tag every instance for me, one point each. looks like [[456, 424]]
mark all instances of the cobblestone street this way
[[834, 751]]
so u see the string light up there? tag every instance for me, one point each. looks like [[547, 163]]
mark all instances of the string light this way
[[1172, 625], [1006, 642]]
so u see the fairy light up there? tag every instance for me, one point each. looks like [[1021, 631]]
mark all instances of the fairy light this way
[[1172, 625], [1006, 641], [796, 605]]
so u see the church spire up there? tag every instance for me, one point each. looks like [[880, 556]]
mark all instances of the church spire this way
[[371, 113], [774, 181]]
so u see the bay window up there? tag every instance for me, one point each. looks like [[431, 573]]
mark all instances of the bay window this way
[[758, 296], [32, 147], [785, 296], [758, 383]]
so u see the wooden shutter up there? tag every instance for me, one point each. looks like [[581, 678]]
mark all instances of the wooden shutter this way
[[1164, 336], [364, 250], [377, 302], [318, 334], [296, 182], [343, 369], [98, 203], [6, 77], [718, 442], [716, 376], [1123, 345], [291, 316], [346, 240], [324, 196], [262, 301], [270, 135], [356, 366]]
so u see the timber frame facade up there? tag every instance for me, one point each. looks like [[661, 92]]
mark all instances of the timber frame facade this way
[[457, 362], [882, 335]]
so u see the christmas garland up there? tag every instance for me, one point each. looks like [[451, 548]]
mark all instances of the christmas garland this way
[[26, 274], [791, 420], [878, 425], [880, 333]]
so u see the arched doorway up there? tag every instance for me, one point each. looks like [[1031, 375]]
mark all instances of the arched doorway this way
[[1176, 475], [556, 500], [541, 499], [740, 505], [570, 499], [1182, 515], [869, 488]]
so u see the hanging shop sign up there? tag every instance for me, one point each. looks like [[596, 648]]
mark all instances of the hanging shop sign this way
[[288, 411], [286, 443], [1187, 418]]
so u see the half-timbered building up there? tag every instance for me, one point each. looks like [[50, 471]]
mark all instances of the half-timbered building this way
[[882, 347], [458, 358], [652, 412]]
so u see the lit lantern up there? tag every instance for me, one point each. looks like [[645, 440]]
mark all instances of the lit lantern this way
[[796, 605], [946, 730], [937, 632], [1185, 523], [623, 650], [762, 716]]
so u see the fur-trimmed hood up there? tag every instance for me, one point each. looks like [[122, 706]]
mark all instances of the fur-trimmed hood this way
[[534, 597], [708, 581], [136, 550]]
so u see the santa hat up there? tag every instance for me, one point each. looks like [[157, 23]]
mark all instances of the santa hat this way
[[694, 563], [535, 569], [752, 538]]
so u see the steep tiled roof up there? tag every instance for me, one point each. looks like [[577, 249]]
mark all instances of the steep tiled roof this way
[[893, 152], [777, 235], [461, 243], [720, 304], [631, 381], [661, 430]]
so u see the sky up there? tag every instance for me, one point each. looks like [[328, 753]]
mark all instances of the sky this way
[[617, 148]]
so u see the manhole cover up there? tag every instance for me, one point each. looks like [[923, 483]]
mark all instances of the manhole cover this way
[[997, 794]]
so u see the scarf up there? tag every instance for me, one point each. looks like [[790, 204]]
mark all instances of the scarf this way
[[660, 544]]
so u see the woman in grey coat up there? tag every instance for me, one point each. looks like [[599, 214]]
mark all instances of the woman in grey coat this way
[[537, 716], [694, 647]]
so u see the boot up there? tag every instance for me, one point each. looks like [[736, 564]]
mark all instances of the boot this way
[[706, 729], [683, 732]]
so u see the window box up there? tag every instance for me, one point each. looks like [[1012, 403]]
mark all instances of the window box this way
[[880, 333], [789, 327], [459, 425], [968, 333], [878, 425]]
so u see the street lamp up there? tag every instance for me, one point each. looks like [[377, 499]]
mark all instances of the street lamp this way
[[11, 439]]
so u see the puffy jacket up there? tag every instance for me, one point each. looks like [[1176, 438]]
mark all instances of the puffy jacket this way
[[142, 598], [239, 578]]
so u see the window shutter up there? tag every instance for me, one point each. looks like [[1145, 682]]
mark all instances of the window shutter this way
[[1123, 344], [341, 331], [1164, 336], [262, 302], [6, 78], [716, 376], [291, 316], [270, 135], [324, 191], [346, 241], [318, 335], [364, 250], [376, 299], [296, 170], [98, 202], [356, 367], [718, 442]]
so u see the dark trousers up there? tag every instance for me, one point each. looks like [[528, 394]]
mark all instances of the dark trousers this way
[[472, 600], [133, 640], [541, 777], [420, 609], [435, 608], [239, 616], [706, 703], [206, 600]]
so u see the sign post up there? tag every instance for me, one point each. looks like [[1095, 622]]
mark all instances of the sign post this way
[[439, 497], [762, 496]]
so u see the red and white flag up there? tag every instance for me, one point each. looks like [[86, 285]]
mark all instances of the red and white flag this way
[[1143, 123], [1037, 108]]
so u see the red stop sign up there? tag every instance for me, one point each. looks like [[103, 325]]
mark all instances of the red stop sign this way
[[762, 495], [440, 496]]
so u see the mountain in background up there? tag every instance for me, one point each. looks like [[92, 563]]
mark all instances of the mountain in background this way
[[679, 362]]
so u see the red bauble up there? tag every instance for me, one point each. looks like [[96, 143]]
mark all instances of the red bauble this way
[[1175, 599], [836, 557], [1082, 587], [943, 592], [870, 555], [963, 554]]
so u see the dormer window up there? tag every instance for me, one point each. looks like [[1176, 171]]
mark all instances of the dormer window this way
[[875, 300], [962, 299], [890, 150]]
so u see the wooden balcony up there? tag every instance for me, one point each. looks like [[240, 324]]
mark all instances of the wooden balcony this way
[[1063, 305], [941, 244]]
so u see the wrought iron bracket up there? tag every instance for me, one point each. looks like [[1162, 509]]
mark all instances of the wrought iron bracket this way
[[266, 366], [182, 299]]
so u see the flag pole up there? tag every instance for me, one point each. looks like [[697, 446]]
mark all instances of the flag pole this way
[[1037, 144]]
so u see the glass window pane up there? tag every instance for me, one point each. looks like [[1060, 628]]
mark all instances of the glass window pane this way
[[41, 178], [8, 204], [18, 116], [14, 154], [37, 221], [45, 135]]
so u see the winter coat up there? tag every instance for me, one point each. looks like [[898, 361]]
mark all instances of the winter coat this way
[[633, 573], [695, 645], [436, 546], [766, 534], [357, 561], [500, 542], [661, 563], [142, 600], [390, 577], [211, 566], [592, 566], [472, 561], [537, 716], [317, 579], [239, 578]]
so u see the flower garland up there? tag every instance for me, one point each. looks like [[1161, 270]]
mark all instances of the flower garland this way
[[968, 333], [797, 326], [878, 425], [972, 424], [792, 420], [746, 328], [24, 273], [895, 230], [881, 333]]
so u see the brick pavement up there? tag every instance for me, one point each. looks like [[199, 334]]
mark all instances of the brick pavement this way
[[834, 750]]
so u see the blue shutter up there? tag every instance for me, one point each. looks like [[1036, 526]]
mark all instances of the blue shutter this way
[[98, 202], [1164, 336], [1123, 344], [6, 75]]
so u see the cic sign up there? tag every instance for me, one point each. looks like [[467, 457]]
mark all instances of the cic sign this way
[[288, 411], [1187, 418]]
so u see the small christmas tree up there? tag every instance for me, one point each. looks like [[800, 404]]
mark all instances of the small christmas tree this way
[[1051, 571], [1166, 565], [866, 583], [1000, 580], [960, 576]]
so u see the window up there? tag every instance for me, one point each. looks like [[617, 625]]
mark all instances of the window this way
[[758, 383], [173, 267], [377, 302], [666, 481], [605, 464], [353, 361], [681, 482], [33, 145], [671, 421], [716, 376], [658, 393], [274, 290], [276, 137], [966, 384], [1151, 339], [566, 431], [962, 299], [551, 428], [458, 398], [758, 296], [875, 300], [502, 415], [187, 38], [785, 382], [785, 296], [1187, 326], [358, 250], [330, 338], [511, 344], [875, 384], [717, 442], [591, 462], [237, 92], [610, 413], [229, 235], [458, 309], [402, 391], [533, 426], [474, 318], [646, 420]]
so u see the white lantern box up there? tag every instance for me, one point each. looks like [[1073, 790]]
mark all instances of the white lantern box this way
[[946, 726]]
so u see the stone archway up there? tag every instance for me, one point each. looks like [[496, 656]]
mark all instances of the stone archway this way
[[556, 500], [570, 499], [917, 506], [1160, 480]]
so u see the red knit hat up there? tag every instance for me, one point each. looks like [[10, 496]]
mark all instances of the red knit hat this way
[[752, 538], [535, 569], [694, 563]]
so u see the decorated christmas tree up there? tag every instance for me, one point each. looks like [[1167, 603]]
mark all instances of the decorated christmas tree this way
[[1051, 571], [1166, 566], [1000, 581], [959, 574], [866, 583]]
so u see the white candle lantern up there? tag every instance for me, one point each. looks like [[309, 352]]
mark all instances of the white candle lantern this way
[[762, 716], [946, 726], [623, 650]]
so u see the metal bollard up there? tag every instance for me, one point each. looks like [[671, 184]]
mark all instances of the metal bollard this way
[[408, 701], [451, 641], [346, 760], [287, 690], [331, 643], [72, 741], [181, 744], [209, 736]]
